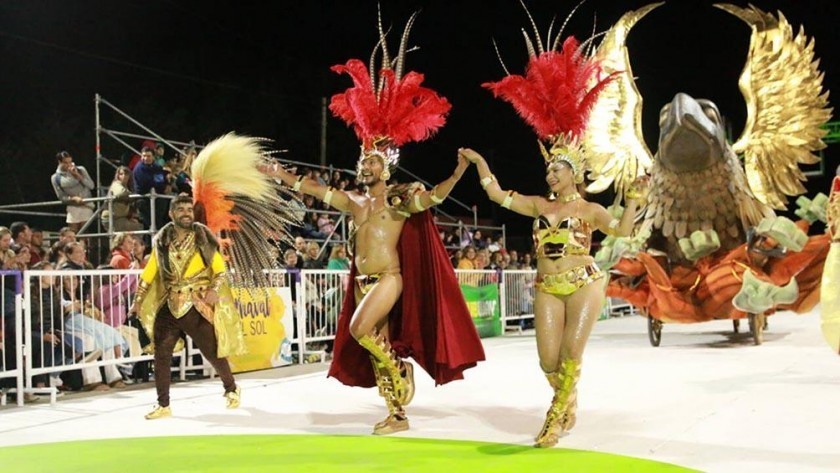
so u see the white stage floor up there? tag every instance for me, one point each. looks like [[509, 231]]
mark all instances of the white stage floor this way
[[705, 399]]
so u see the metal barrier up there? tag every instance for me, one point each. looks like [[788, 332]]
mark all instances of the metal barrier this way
[[11, 364], [75, 320], [318, 306]]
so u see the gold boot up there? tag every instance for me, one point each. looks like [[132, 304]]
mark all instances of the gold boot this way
[[159, 413], [569, 418], [563, 381], [401, 373], [396, 421]]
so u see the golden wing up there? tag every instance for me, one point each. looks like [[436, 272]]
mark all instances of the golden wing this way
[[786, 107], [615, 148]]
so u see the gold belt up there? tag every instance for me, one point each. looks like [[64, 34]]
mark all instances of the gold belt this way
[[567, 282]]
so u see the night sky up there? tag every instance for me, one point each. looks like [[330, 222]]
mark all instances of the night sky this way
[[262, 68]]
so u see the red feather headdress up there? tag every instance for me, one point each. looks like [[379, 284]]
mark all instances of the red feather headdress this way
[[392, 109], [555, 97]]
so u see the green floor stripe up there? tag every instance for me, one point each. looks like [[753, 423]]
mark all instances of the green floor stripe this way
[[310, 453]]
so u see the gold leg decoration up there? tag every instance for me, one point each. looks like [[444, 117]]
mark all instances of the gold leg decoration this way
[[561, 414], [400, 372], [396, 421]]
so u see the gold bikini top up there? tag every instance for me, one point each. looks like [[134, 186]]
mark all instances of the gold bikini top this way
[[571, 236]]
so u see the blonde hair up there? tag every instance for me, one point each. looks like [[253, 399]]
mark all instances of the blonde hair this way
[[335, 250]]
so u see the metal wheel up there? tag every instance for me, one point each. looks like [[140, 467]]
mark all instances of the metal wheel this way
[[654, 331], [757, 322], [736, 325]]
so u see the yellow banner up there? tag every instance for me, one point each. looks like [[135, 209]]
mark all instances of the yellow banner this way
[[267, 323]]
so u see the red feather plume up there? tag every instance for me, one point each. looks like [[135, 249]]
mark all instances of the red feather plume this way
[[405, 111], [556, 94]]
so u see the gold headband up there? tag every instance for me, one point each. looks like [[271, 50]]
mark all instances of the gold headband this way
[[570, 153]]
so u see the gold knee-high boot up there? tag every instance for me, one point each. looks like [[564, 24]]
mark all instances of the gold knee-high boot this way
[[396, 421], [400, 372], [561, 414]]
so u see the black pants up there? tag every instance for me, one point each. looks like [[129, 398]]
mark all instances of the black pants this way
[[167, 331]]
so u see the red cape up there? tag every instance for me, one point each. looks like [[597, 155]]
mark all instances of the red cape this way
[[430, 322]]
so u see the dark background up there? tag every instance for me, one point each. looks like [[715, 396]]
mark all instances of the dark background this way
[[195, 70]]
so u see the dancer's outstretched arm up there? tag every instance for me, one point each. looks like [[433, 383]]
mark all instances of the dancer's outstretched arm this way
[[328, 194], [528, 205], [437, 194]]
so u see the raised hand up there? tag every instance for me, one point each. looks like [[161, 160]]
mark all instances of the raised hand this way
[[469, 155]]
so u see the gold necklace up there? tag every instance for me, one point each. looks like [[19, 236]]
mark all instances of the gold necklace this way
[[569, 197]]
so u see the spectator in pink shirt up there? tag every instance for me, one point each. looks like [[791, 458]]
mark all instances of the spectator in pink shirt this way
[[112, 296], [122, 247]]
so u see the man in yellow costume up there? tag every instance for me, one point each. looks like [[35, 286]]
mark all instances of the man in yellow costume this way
[[184, 290]]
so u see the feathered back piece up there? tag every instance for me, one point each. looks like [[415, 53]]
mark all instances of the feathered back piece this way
[[555, 96], [388, 109], [242, 206]]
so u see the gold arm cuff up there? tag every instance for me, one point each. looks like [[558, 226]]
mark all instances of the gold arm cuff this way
[[417, 203], [328, 195], [298, 183], [487, 180], [508, 200], [434, 197]]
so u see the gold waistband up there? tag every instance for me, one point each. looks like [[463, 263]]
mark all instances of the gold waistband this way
[[569, 281]]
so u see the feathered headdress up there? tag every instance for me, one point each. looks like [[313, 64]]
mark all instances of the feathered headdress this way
[[242, 206], [389, 110], [555, 95]]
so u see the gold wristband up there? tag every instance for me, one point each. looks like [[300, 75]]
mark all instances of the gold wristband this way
[[417, 204], [485, 181], [298, 183], [328, 195], [508, 200]]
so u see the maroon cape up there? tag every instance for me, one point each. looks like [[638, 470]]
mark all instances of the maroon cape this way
[[430, 322]]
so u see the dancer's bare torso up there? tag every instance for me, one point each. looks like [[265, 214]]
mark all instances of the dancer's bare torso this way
[[377, 234]]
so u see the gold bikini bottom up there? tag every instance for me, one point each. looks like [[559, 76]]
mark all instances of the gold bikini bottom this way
[[367, 281], [567, 282]]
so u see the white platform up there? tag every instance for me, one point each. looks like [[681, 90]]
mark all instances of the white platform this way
[[705, 399]]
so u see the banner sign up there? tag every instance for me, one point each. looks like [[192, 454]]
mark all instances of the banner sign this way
[[267, 323]]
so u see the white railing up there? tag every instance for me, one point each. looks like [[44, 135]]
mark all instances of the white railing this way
[[57, 329], [11, 364]]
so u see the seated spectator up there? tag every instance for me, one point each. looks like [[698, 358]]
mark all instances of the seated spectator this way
[[49, 346], [456, 257], [7, 256], [21, 261], [477, 241], [310, 227], [122, 246], [122, 217], [72, 184], [21, 234], [76, 256], [326, 225], [497, 261], [482, 259], [139, 253], [66, 235], [338, 258], [84, 320], [311, 261], [290, 259], [112, 297], [514, 260], [527, 262], [36, 247], [57, 256], [468, 261]]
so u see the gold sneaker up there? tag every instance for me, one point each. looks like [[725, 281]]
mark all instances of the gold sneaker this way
[[233, 398], [159, 413], [392, 424]]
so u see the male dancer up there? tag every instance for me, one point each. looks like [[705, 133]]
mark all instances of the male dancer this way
[[405, 299]]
